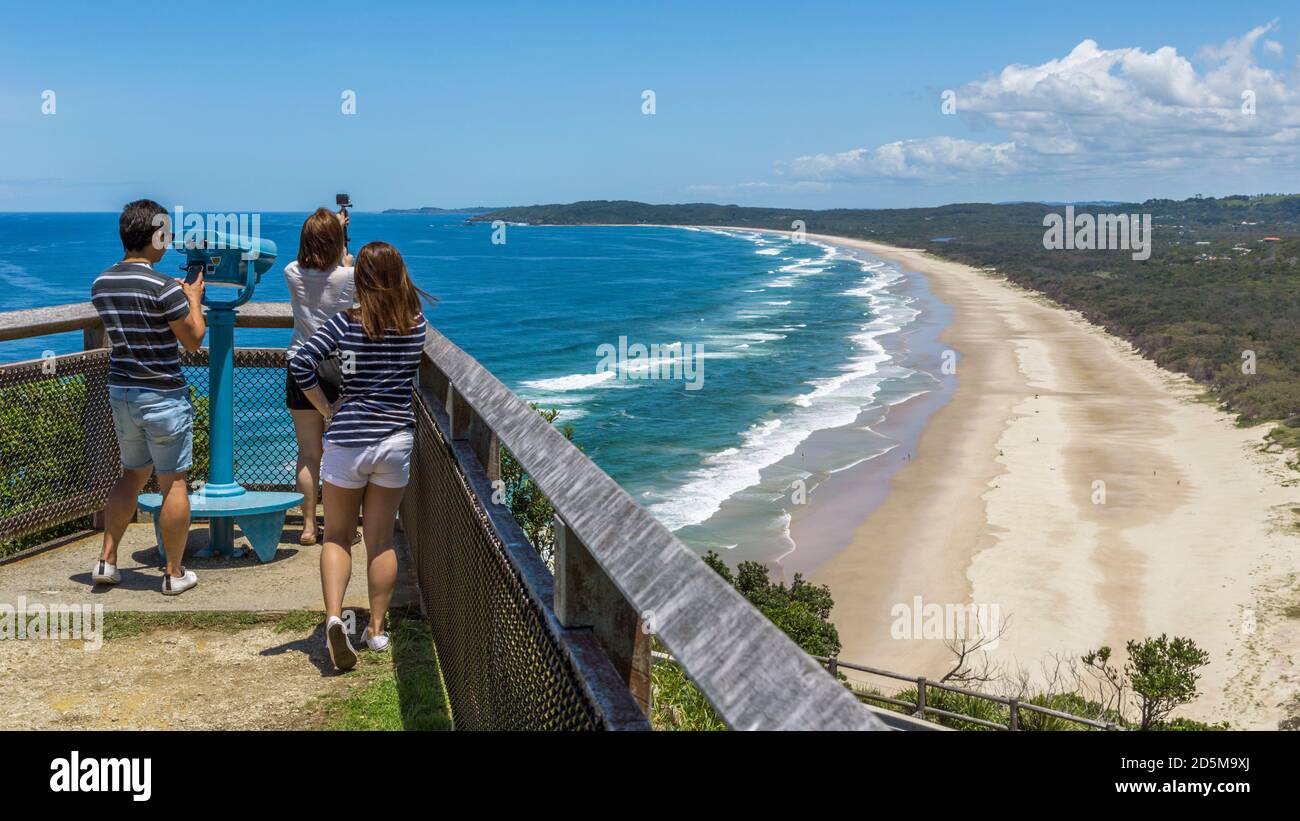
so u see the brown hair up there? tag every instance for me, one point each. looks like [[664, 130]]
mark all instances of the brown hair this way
[[321, 245], [388, 299]]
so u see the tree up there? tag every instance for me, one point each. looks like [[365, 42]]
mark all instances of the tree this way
[[1160, 673], [802, 611], [971, 663], [1163, 675]]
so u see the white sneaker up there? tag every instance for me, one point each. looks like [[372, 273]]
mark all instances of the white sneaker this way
[[377, 643], [176, 585], [105, 573], [336, 640]]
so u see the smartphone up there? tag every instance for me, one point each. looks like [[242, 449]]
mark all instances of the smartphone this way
[[192, 271]]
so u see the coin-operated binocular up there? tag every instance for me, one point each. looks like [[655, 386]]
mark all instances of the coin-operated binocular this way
[[231, 267], [227, 260]]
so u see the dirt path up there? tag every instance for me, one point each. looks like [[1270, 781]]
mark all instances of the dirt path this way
[[261, 676]]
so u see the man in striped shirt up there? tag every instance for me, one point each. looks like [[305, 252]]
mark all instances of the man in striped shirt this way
[[145, 314]]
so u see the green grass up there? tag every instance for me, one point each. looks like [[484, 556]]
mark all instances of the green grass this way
[[124, 624], [678, 703], [121, 624], [408, 695]]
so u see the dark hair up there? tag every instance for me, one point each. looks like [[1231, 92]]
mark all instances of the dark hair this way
[[321, 244], [137, 224], [388, 300]]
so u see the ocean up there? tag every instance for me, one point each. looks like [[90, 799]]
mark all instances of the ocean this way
[[793, 338]]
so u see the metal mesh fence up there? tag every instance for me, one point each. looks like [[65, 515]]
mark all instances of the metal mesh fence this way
[[265, 448], [503, 666], [58, 452], [58, 449]]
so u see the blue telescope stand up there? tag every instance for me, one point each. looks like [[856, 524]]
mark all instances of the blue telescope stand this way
[[221, 500]]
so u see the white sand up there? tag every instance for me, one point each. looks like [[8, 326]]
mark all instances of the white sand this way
[[1195, 535]]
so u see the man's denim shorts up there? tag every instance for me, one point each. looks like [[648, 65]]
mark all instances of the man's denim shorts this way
[[154, 427]]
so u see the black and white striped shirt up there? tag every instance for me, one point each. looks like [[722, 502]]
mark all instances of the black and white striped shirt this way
[[378, 378], [135, 303]]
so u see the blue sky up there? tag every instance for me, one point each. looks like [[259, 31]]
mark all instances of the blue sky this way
[[805, 104]]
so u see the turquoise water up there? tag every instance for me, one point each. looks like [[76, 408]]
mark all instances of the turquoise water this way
[[794, 339]]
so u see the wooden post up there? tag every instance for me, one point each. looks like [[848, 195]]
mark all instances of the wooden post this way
[[585, 597], [486, 447], [833, 667], [457, 413], [1013, 722], [920, 698]]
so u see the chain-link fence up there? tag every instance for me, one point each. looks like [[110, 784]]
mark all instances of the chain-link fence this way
[[498, 646], [58, 449], [265, 448], [58, 452]]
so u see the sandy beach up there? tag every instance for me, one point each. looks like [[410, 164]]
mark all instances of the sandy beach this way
[[1088, 495]]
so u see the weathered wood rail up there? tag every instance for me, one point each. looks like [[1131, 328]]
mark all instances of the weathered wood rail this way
[[619, 574]]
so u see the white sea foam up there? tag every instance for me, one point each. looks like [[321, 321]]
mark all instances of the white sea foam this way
[[834, 401], [576, 381]]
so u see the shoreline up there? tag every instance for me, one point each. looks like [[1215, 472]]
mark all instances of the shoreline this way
[[1089, 495]]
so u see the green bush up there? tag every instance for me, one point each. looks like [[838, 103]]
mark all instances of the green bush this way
[[530, 507]]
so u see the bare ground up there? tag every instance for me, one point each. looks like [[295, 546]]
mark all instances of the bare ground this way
[[259, 676]]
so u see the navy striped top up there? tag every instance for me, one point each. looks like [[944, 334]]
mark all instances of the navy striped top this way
[[136, 303], [378, 378]]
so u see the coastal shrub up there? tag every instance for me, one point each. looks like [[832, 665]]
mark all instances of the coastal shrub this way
[[1191, 725], [960, 703], [1163, 674], [530, 507], [802, 610], [1073, 703]]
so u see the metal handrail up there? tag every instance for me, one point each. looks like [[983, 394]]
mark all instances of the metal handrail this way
[[1015, 706]]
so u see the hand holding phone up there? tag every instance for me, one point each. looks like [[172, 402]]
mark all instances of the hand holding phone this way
[[194, 287]]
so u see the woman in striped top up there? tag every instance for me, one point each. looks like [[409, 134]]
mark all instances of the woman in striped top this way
[[369, 436]]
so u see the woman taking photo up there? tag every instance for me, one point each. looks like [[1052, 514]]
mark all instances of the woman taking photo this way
[[368, 439], [320, 285]]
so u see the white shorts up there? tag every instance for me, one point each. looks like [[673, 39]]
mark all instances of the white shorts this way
[[387, 463]]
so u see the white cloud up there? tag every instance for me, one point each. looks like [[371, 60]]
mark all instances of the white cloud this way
[[906, 159], [1100, 110]]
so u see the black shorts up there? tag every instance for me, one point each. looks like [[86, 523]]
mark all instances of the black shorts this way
[[331, 379]]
